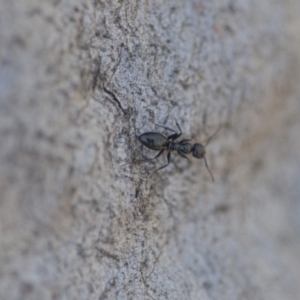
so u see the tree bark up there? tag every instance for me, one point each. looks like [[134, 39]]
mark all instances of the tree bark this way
[[80, 219]]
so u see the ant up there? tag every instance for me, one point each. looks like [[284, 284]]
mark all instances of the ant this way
[[156, 141]]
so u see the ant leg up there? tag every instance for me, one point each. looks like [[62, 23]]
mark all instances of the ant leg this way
[[148, 159], [175, 136], [158, 155], [178, 126], [172, 136], [182, 155], [167, 128], [169, 159]]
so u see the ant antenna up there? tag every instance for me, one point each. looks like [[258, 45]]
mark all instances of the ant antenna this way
[[207, 142], [212, 177], [212, 136]]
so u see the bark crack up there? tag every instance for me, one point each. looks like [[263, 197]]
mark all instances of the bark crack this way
[[115, 99]]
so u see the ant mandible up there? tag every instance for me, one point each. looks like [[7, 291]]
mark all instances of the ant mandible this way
[[156, 141]]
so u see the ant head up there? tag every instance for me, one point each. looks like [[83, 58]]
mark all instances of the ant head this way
[[198, 151]]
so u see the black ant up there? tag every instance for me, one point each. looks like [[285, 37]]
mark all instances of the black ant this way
[[156, 141]]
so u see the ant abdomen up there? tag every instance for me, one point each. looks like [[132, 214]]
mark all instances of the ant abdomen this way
[[153, 140]]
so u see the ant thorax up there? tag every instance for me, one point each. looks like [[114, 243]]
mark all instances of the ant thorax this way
[[185, 148], [172, 146]]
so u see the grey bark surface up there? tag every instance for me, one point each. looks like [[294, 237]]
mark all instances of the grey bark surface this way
[[79, 80]]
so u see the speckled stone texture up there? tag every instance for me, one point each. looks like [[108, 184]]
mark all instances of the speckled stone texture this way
[[79, 80]]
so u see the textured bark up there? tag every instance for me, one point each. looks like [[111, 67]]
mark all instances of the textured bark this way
[[79, 80]]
